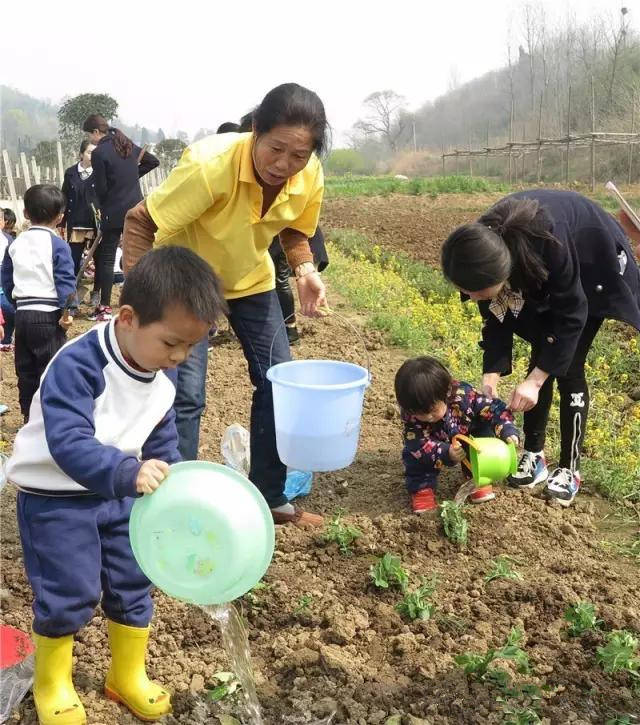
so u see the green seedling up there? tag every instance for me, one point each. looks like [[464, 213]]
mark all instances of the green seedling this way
[[619, 654], [416, 605], [389, 572], [582, 618], [502, 568], [251, 595], [228, 685], [456, 526], [476, 665], [520, 716], [342, 534], [620, 720], [303, 603]]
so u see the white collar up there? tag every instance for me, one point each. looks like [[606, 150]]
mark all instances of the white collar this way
[[81, 170]]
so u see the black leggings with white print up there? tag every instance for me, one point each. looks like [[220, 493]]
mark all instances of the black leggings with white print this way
[[574, 403]]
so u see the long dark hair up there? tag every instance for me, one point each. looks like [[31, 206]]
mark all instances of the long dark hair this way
[[293, 105], [498, 247], [122, 144]]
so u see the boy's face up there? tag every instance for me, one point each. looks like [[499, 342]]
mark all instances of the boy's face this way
[[160, 345], [436, 413]]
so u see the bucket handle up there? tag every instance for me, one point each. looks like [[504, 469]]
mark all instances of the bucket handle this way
[[327, 312], [470, 442]]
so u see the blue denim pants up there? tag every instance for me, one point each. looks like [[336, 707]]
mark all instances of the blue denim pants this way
[[9, 314], [257, 321]]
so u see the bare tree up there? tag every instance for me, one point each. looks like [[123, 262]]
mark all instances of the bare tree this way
[[384, 117]]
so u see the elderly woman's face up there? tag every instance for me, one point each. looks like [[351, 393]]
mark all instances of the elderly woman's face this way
[[281, 153]]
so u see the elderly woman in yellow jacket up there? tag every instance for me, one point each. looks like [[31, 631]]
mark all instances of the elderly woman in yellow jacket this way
[[227, 198]]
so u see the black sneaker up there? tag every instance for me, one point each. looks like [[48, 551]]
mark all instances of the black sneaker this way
[[532, 470]]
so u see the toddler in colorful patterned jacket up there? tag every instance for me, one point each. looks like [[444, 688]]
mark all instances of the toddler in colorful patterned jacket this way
[[434, 409]]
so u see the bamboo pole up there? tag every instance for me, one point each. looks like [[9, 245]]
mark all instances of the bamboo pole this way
[[60, 165], [593, 138], [12, 188], [540, 138], [25, 169], [566, 168], [633, 124], [36, 170], [511, 135], [486, 158]]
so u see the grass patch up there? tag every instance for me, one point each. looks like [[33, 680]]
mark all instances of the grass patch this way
[[414, 307], [336, 186]]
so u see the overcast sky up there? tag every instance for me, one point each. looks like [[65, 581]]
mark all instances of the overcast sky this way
[[205, 62]]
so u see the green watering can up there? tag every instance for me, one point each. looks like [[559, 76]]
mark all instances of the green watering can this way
[[490, 459]]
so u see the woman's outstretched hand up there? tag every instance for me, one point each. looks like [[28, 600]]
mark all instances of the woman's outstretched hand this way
[[312, 294]]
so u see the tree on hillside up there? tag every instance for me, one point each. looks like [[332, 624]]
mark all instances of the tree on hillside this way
[[73, 112], [170, 150], [46, 153], [384, 117]]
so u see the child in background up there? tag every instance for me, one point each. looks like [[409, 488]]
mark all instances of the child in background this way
[[102, 431], [37, 275], [9, 223], [3, 407], [434, 409], [8, 310]]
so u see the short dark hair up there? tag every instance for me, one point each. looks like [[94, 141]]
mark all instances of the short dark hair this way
[[43, 203], [420, 383], [228, 127], [173, 276], [9, 216], [293, 105], [83, 145], [246, 122]]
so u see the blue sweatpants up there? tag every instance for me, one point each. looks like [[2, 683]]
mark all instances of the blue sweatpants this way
[[76, 549]]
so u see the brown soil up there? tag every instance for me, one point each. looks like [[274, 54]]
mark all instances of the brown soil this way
[[416, 225], [350, 651]]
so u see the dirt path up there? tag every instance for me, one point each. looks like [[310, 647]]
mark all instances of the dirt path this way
[[349, 650]]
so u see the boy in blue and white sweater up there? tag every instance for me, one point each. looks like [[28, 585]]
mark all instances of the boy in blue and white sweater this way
[[37, 276], [101, 432]]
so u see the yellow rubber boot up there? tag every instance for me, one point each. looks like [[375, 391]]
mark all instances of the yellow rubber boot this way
[[127, 680], [57, 702]]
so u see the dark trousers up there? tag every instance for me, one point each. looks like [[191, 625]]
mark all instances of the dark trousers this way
[[77, 248], [38, 339], [423, 473], [257, 322], [76, 548], [283, 285], [9, 314], [574, 400], [105, 257]]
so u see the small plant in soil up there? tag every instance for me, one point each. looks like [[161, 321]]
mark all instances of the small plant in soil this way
[[342, 534], [502, 568], [477, 665], [456, 526], [621, 720], [417, 604], [389, 572], [303, 603], [252, 597], [520, 715], [582, 618], [228, 685], [619, 653]]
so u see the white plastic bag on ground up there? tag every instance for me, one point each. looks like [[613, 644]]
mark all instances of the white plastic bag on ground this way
[[235, 448]]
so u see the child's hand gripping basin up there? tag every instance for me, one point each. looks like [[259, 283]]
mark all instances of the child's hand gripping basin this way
[[490, 459], [206, 535]]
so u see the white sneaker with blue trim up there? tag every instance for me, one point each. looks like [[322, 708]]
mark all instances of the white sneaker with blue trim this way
[[532, 470], [563, 485]]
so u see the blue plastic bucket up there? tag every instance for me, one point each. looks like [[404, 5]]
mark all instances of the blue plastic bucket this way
[[317, 406]]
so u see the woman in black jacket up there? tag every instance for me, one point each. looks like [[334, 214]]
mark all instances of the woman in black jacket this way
[[117, 165], [79, 191], [549, 266]]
